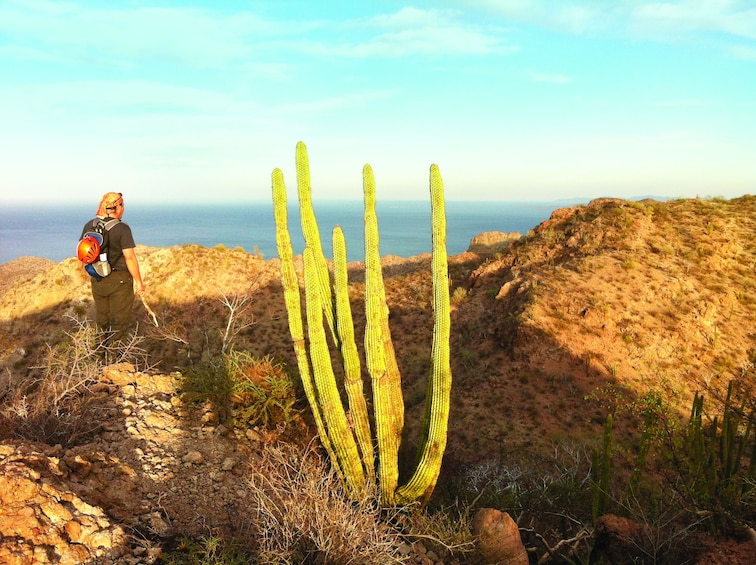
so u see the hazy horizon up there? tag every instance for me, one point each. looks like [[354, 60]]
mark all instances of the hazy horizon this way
[[52, 231]]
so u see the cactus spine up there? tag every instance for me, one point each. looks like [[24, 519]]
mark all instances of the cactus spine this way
[[350, 446]]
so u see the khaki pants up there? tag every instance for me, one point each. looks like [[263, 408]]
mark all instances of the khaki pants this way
[[114, 301]]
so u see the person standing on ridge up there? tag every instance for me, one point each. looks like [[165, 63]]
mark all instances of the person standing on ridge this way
[[114, 294]]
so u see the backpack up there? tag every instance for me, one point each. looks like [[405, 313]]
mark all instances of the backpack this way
[[101, 268]]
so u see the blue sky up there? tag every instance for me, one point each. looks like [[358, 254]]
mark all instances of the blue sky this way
[[514, 100]]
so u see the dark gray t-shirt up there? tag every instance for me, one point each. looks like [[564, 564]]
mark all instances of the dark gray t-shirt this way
[[119, 238]]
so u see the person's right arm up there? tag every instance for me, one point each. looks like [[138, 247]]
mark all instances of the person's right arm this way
[[133, 265]]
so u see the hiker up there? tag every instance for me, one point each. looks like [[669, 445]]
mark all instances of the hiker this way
[[114, 293]]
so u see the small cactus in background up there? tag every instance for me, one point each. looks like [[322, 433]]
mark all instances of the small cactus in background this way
[[601, 471], [721, 473], [348, 440]]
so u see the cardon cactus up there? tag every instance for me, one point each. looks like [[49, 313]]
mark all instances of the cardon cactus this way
[[345, 433]]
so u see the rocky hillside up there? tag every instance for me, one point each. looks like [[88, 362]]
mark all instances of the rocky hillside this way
[[591, 312], [604, 303]]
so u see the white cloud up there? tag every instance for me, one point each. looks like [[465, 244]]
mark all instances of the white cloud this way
[[412, 31], [270, 71], [661, 20], [24, 53], [409, 17], [435, 41], [573, 17], [204, 38], [683, 103], [118, 98], [191, 36], [733, 17], [340, 102]]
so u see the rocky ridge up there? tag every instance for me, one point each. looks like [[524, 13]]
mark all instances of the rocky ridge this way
[[146, 476]]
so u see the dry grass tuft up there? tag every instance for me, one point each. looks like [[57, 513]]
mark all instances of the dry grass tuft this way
[[303, 515]]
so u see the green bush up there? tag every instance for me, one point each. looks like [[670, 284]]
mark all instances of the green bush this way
[[244, 390], [706, 468], [208, 550]]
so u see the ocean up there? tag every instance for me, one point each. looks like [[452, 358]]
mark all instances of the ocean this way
[[52, 231]]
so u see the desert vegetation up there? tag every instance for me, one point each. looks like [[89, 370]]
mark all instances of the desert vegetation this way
[[604, 365], [350, 446]]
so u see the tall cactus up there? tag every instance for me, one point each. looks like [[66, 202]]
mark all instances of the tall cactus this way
[[350, 446]]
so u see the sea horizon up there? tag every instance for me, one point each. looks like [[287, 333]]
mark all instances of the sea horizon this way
[[52, 231]]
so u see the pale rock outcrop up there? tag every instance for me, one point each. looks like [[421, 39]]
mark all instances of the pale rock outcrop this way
[[43, 521], [492, 242]]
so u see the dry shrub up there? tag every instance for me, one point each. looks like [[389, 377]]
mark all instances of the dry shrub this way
[[55, 403], [446, 531], [304, 515]]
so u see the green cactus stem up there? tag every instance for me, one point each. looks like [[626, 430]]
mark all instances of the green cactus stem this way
[[601, 470], [388, 402], [311, 233], [290, 285], [350, 356], [337, 426], [433, 442], [346, 436]]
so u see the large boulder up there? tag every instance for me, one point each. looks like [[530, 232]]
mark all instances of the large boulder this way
[[498, 538]]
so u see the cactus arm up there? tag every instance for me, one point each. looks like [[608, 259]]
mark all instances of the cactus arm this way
[[388, 412], [290, 285], [350, 356], [435, 426], [392, 367], [726, 436], [347, 456], [311, 233]]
